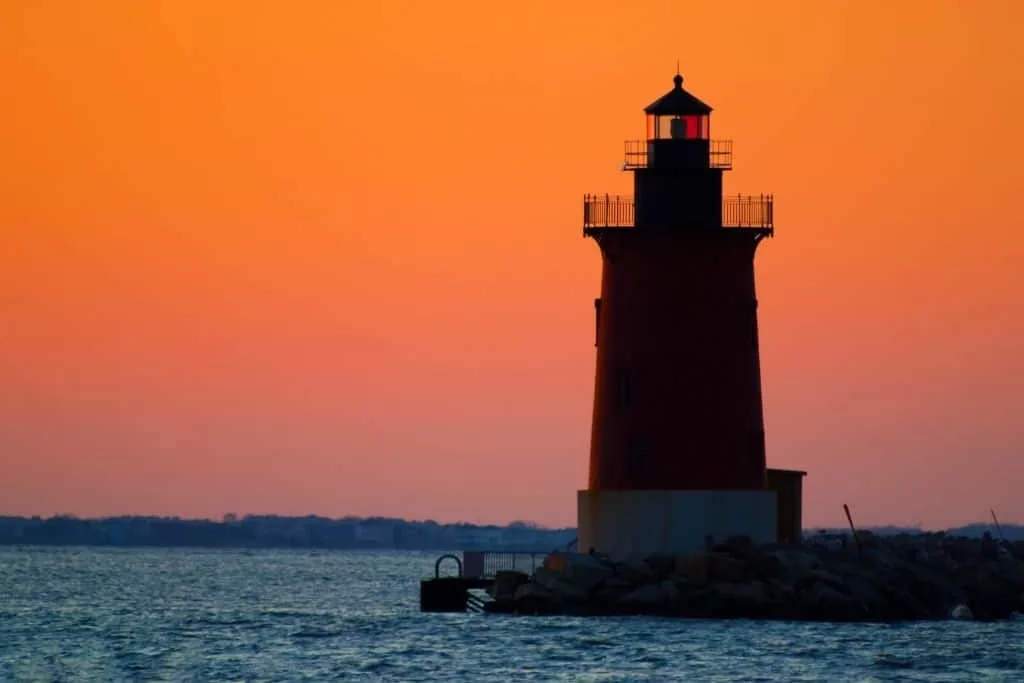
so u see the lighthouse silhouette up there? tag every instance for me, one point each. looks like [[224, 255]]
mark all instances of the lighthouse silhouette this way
[[677, 452]]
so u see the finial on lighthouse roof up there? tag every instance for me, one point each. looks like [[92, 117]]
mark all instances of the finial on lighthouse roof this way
[[677, 102]]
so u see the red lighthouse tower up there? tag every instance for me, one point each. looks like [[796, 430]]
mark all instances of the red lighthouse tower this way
[[677, 448]]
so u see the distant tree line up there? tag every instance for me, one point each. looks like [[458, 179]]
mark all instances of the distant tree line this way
[[270, 531]]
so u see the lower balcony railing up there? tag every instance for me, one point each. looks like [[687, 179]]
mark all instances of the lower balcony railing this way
[[607, 211], [748, 211], [738, 211]]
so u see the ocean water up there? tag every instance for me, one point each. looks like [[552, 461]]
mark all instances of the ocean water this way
[[82, 614]]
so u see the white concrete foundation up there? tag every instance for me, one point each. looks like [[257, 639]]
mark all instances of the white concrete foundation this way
[[627, 524]]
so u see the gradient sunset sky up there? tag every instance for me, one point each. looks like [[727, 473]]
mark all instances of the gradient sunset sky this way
[[326, 257]]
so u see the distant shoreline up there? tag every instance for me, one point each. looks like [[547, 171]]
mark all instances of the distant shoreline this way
[[264, 532], [256, 532]]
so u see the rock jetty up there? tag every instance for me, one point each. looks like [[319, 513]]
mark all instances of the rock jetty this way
[[876, 578]]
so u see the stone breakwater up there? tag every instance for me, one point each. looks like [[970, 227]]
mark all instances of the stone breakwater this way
[[890, 578]]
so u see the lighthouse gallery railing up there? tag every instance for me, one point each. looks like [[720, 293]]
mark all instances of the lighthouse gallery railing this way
[[738, 211], [607, 211], [719, 154]]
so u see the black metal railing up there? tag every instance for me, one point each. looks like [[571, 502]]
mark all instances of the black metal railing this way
[[487, 563], [749, 211], [607, 211], [636, 154], [738, 211], [719, 154]]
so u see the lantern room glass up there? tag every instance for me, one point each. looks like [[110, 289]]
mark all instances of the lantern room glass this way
[[679, 127]]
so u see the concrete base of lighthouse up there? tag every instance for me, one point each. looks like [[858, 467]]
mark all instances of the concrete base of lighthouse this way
[[628, 524]]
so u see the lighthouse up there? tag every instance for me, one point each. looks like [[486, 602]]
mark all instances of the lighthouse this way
[[677, 450]]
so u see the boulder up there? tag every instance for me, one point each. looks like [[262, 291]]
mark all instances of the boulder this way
[[1012, 569], [566, 591], [766, 566], [531, 590], [580, 569], [826, 602], [661, 566], [870, 597], [611, 590], [562, 587], [751, 599], [824, 577], [693, 568], [740, 547], [636, 571], [725, 567], [506, 583], [755, 593], [797, 560], [546, 577], [652, 594], [961, 612]]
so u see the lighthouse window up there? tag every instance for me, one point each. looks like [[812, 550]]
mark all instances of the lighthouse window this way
[[678, 127]]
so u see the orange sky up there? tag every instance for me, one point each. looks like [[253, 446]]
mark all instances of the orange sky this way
[[326, 257]]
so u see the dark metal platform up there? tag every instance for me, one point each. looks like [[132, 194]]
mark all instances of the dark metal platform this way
[[476, 570]]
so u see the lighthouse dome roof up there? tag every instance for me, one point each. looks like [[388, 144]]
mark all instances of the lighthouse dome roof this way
[[677, 101]]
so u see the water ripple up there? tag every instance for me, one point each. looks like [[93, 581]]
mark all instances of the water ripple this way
[[193, 615]]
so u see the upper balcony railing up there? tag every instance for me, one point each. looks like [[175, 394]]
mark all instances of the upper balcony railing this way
[[738, 211], [719, 154]]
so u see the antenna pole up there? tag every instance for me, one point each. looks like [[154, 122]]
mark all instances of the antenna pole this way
[[853, 529], [999, 529]]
